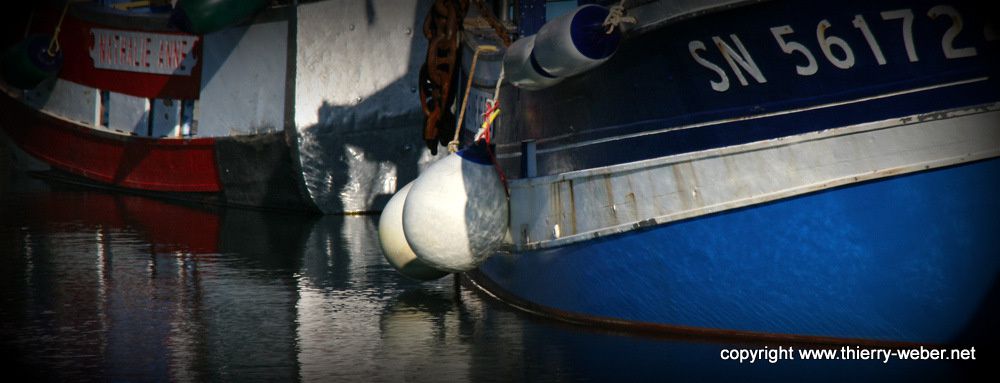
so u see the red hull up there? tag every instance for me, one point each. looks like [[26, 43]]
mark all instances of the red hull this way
[[159, 223], [76, 38], [173, 165]]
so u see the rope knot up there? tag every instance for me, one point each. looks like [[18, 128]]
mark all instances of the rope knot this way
[[616, 17], [491, 113]]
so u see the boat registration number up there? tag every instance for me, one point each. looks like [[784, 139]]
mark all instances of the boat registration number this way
[[827, 46]]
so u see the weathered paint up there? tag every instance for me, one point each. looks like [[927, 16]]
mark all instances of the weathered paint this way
[[243, 80], [128, 114], [360, 58], [655, 14], [67, 99], [911, 258], [165, 118], [176, 165], [601, 201], [357, 111]]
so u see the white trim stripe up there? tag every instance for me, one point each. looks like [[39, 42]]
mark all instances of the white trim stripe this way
[[576, 206]]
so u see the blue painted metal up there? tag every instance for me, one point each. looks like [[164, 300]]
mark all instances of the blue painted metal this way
[[529, 164], [530, 16], [161, 8], [589, 35], [653, 82], [908, 258], [476, 153], [743, 131]]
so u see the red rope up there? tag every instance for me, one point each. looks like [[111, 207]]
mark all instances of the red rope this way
[[489, 149]]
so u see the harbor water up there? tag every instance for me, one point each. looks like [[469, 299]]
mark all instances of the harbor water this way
[[98, 285]]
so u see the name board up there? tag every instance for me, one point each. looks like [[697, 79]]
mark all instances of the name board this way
[[143, 52]]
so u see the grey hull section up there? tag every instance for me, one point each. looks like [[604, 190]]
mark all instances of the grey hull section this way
[[257, 171]]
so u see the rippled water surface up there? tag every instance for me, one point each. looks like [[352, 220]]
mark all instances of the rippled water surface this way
[[104, 286]]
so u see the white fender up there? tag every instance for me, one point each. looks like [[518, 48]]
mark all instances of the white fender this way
[[394, 246], [456, 212], [519, 69], [575, 42]]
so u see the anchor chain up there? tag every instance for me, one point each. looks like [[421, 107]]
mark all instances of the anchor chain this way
[[491, 19], [441, 28]]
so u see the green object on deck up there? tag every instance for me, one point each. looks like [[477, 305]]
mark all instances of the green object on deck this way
[[206, 16], [27, 64]]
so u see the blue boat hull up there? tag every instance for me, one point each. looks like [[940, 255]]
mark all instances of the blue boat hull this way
[[820, 171], [903, 259]]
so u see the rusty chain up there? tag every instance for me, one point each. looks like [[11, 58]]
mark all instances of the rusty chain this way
[[441, 28], [497, 26]]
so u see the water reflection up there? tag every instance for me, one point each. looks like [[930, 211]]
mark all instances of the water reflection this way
[[129, 288], [125, 288]]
